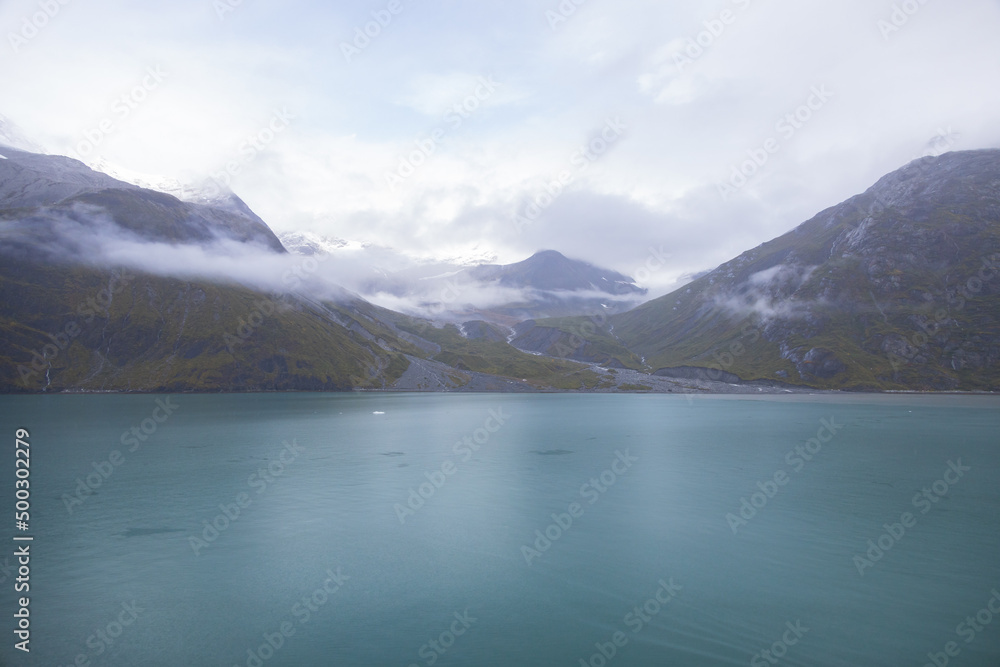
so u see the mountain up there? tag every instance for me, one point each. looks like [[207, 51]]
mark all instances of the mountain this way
[[42, 191], [895, 288], [207, 193], [73, 319], [69, 322], [547, 284], [551, 271]]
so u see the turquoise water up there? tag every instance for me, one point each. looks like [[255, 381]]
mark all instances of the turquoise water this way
[[641, 555]]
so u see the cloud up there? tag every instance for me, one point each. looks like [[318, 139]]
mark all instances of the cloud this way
[[87, 235], [769, 294], [687, 127]]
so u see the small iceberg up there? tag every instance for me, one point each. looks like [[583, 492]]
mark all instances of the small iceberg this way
[[378, 413]]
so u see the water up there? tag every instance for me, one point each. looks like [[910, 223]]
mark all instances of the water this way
[[673, 468]]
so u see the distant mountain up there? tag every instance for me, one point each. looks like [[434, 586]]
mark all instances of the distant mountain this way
[[551, 271], [896, 288], [547, 284]]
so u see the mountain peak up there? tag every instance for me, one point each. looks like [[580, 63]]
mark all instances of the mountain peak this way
[[56, 187], [548, 254], [551, 270]]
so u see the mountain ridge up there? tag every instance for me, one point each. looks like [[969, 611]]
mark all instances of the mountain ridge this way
[[895, 288], [838, 301]]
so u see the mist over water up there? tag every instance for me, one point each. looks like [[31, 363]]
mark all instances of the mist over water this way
[[392, 529]]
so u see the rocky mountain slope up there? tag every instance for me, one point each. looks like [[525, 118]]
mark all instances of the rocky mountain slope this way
[[74, 321], [38, 192], [895, 288]]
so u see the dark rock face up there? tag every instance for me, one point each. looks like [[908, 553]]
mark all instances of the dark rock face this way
[[820, 363]]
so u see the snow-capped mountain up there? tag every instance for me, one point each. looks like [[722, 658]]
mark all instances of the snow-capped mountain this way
[[206, 192], [48, 189]]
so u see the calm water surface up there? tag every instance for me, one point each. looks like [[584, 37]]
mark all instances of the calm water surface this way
[[389, 529]]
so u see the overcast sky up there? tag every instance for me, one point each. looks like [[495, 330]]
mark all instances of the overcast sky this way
[[666, 119]]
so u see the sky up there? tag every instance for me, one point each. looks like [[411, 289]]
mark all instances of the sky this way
[[615, 132]]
